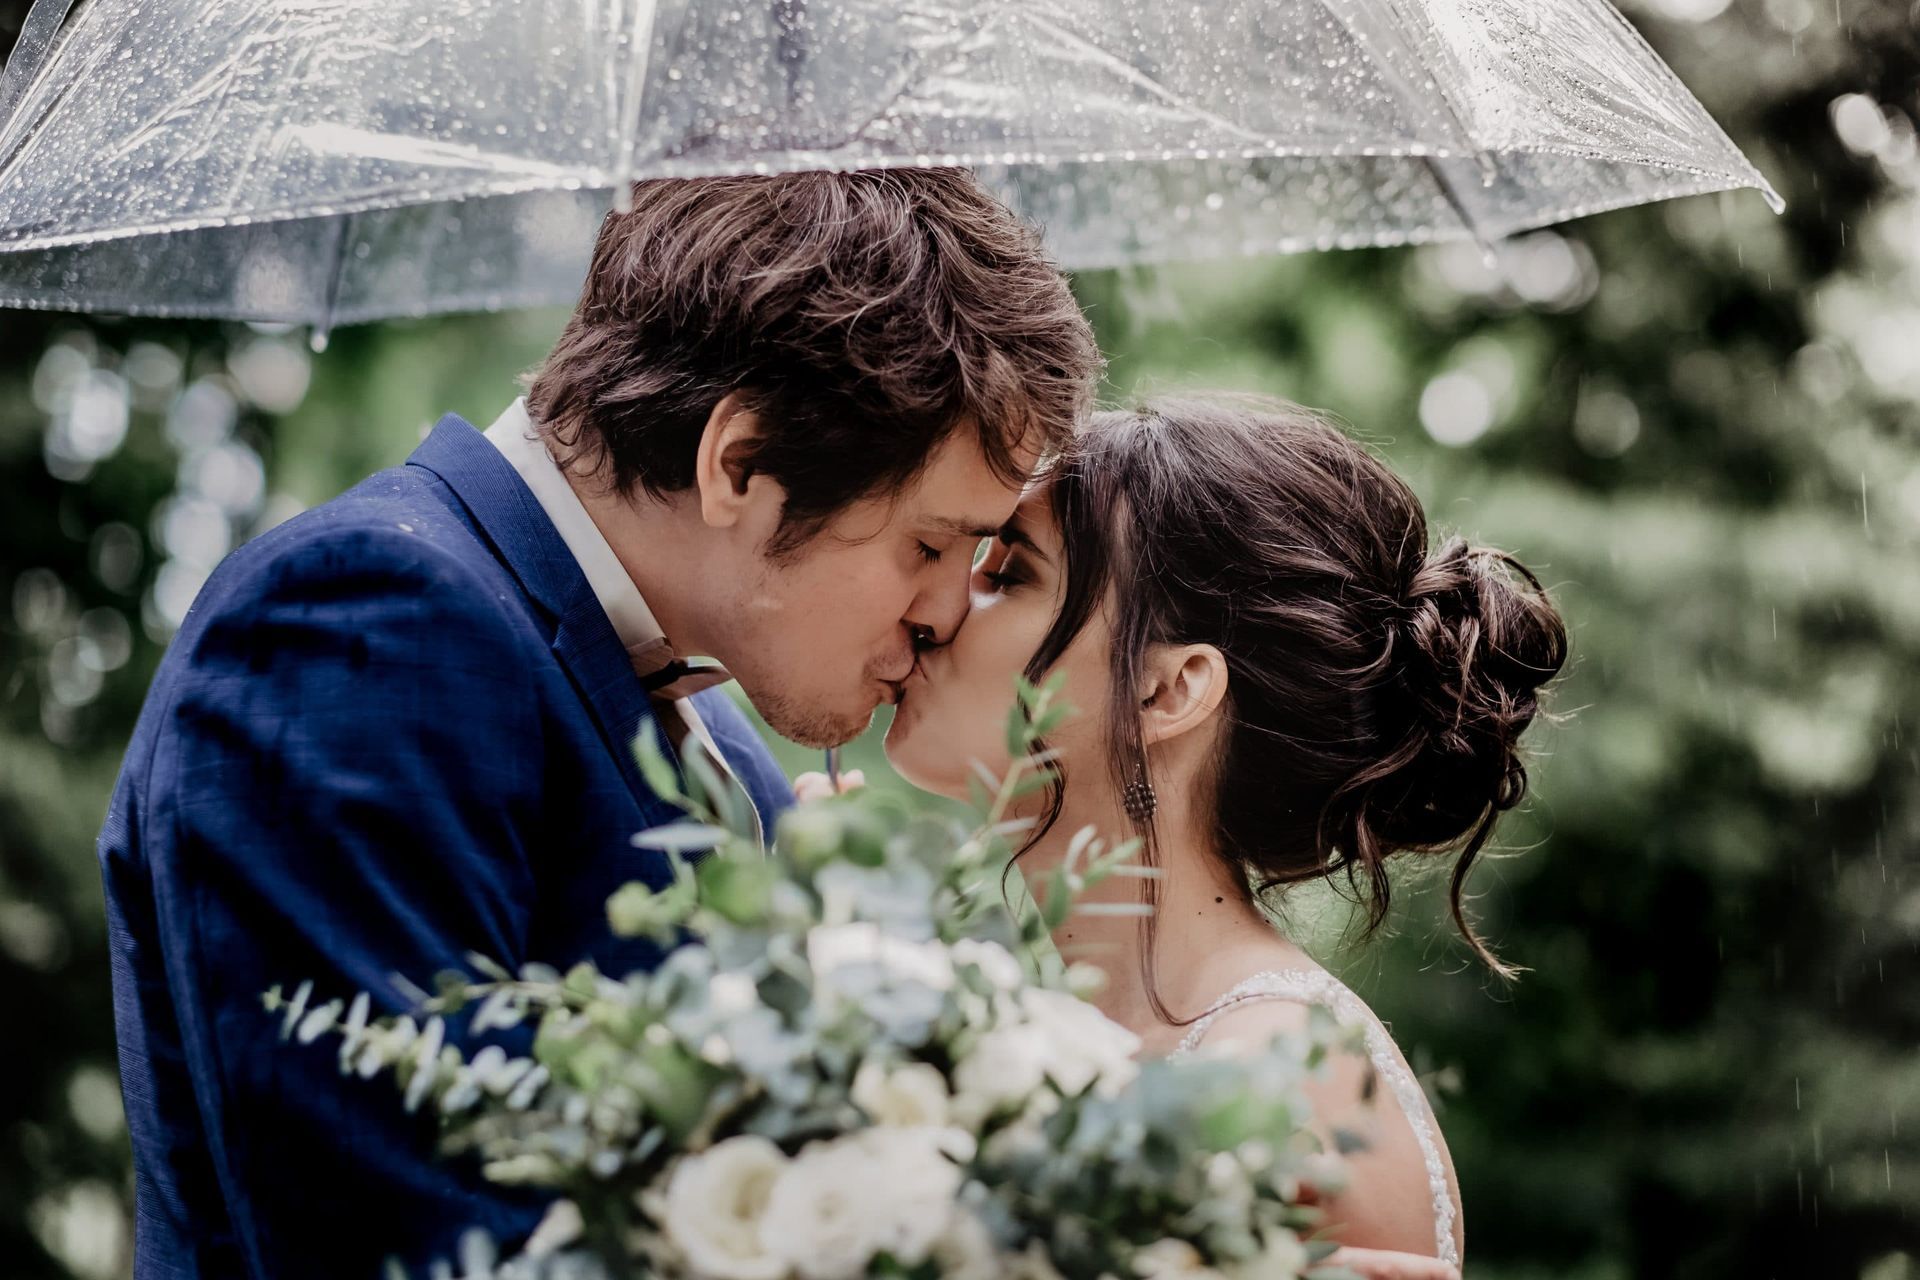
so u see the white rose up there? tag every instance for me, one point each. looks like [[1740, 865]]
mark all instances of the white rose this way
[[994, 961], [1023, 1139], [1034, 1264], [1003, 1069], [1227, 1181], [716, 1206], [921, 1184], [1281, 1257], [732, 993], [965, 1250], [1054, 1035], [831, 947], [878, 1190], [1172, 1258], [903, 1096], [1083, 1044], [560, 1227]]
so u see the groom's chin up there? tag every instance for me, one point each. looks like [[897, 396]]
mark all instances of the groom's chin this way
[[821, 730], [821, 738], [811, 722]]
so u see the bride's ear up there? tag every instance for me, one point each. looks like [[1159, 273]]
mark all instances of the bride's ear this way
[[1183, 686]]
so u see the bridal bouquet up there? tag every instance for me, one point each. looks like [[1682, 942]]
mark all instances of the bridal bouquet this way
[[847, 1070]]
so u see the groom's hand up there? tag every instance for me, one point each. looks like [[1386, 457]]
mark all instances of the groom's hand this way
[[814, 786], [1381, 1264]]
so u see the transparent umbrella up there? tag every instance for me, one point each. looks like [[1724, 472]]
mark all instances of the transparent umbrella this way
[[331, 161]]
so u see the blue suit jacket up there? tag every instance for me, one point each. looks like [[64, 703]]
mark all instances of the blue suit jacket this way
[[391, 731]]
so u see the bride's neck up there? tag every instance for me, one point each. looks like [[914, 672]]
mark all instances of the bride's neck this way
[[1207, 936]]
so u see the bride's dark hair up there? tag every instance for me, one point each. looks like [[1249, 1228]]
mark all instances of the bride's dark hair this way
[[1377, 688]]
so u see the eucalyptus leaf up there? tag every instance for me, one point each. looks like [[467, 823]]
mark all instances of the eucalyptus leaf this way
[[738, 889], [1019, 733], [1059, 900], [706, 786], [1028, 784], [1052, 720], [680, 837], [650, 754]]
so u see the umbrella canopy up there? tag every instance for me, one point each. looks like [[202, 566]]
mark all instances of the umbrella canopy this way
[[331, 161]]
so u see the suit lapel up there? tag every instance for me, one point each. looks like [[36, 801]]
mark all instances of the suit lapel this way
[[590, 650], [526, 542]]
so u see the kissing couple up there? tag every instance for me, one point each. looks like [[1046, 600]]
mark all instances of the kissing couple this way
[[831, 436]]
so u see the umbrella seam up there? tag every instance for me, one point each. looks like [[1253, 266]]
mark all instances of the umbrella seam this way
[[1747, 177], [486, 300]]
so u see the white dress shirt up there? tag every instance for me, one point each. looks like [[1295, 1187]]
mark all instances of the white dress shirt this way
[[514, 435]]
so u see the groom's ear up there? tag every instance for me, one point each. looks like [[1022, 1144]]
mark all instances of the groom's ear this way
[[1184, 685], [725, 477]]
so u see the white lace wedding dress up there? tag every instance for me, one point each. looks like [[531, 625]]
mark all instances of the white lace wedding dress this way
[[1316, 986]]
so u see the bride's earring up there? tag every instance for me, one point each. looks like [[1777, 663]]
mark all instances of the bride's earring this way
[[1139, 798]]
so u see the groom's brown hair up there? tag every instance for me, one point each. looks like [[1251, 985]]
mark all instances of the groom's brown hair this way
[[865, 316]]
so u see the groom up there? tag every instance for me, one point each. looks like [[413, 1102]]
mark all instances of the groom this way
[[396, 729]]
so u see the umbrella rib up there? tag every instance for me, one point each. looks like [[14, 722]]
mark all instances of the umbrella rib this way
[[31, 53], [627, 124], [1133, 75], [345, 233], [1340, 12], [1451, 191]]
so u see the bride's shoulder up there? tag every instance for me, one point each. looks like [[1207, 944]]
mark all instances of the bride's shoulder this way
[[1393, 1199]]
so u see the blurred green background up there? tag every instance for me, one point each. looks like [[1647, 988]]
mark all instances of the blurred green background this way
[[1699, 422]]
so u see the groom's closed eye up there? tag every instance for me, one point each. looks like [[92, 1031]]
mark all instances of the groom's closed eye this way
[[944, 534], [934, 555]]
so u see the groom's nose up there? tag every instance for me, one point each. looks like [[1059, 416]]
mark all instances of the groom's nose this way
[[938, 610]]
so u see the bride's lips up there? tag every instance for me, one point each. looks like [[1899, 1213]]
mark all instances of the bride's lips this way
[[899, 687], [896, 689]]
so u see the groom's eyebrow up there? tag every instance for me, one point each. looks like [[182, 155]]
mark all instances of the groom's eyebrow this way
[[964, 528]]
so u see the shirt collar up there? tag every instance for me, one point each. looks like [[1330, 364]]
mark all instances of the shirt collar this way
[[514, 434]]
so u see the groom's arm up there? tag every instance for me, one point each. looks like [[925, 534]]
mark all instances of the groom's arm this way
[[354, 752]]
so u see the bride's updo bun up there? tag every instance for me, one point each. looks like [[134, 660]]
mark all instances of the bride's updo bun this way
[[1475, 642], [1377, 686]]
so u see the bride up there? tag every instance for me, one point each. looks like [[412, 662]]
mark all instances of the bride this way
[[1279, 682]]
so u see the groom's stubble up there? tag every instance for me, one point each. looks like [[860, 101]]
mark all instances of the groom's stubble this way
[[811, 718]]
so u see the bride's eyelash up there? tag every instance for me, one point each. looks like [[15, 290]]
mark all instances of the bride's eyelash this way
[[1001, 581], [930, 554]]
